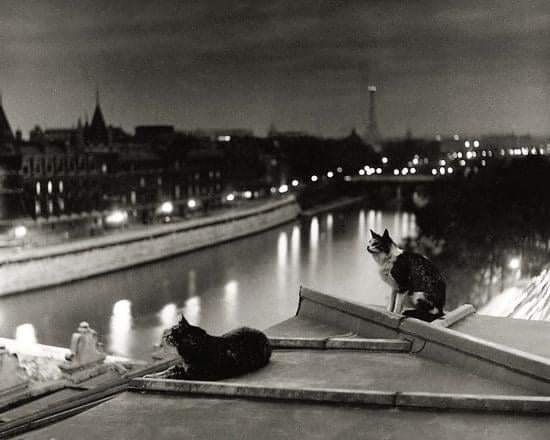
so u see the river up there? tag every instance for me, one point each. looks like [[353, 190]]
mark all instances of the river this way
[[252, 281]]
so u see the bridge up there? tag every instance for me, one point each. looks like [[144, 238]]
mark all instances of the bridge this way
[[411, 178]]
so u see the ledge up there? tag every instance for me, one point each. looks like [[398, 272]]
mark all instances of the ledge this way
[[455, 401], [455, 315], [524, 363], [341, 343], [362, 311]]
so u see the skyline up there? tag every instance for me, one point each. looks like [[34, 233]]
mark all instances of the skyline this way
[[439, 68]]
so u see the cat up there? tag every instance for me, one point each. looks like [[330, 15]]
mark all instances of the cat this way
[[207, 357], [416, 283]]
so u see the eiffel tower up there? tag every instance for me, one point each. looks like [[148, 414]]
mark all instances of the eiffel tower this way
[[372, 134]]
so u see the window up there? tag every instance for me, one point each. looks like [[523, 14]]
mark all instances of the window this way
[[104, 168], [133, 197], [50, 187], [142, 182], [38, 166], [37, 188], [37, 209], [60, 186], [177, 192]]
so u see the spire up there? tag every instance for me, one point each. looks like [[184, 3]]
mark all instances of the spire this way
[[6, 135], [98, 128]]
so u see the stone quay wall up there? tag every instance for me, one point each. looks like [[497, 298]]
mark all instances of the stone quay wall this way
[[45, 267]]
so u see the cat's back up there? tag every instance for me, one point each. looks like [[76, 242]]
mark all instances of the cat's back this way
[[416, 268], [248, 342]]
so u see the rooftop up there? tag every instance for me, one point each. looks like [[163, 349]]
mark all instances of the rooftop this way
[[338, 370]]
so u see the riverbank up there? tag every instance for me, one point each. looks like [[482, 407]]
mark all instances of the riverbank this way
[[35, 268]]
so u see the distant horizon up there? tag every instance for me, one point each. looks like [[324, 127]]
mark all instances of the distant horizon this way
[[438, 66]]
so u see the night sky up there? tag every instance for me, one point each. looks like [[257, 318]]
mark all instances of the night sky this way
[[440, 66]]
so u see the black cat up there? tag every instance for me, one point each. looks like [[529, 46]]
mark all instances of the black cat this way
[[209, 357], [416, 283]]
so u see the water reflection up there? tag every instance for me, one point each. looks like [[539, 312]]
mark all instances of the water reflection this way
[[314, 234], [330, 223], [120, 326], [192, 310], [253, 281], [192, 282], [25, 335], [379, 221], [168, 315], [295, 246], [313, 244], [282, 251]]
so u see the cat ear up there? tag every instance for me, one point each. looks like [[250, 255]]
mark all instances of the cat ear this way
[[183, 322], [386, 234], [374, 234]]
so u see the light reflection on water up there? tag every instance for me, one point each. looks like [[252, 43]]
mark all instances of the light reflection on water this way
[[120, 326], [25, 335], [252, 281]]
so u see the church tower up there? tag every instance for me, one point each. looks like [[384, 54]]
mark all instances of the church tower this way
[[6, 135], [98, 133]]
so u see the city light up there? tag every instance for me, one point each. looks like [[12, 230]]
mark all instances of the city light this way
[[339, 169], [405, 171], [230, 197], [456, 137], [459, 155], [224, 138], [476, 143], [396, 172], [167, 208], [514, 263], [347, 178], [442, 162], [116, 218], [314, 178], [415, 161], [450, 170], [330, 174], [462, 163], [20, 231], [378, 170], [434, 171], [283, 189], [361, 172], [413, 170], [191, 203], [467, 144], [384, 160], [273, 190], [442, 171], [295, 182]]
